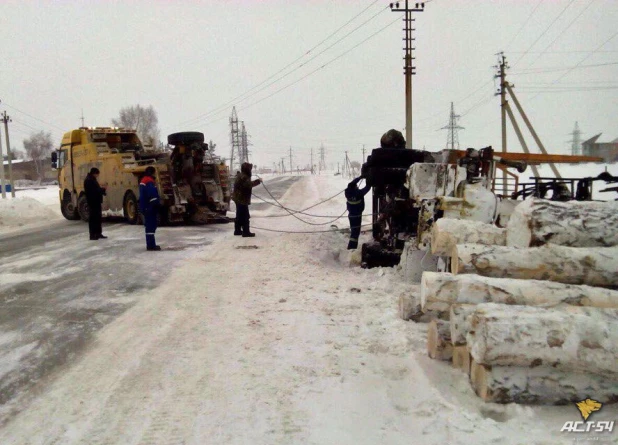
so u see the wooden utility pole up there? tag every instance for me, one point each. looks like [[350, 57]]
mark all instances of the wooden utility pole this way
[[363, 153], [6, 119], [2, 181], [408, 67], [503, 104], [291, 165]]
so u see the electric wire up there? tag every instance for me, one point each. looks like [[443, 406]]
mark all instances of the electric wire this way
[[545, 31], [242, 97], [524, 24], [33, 117]]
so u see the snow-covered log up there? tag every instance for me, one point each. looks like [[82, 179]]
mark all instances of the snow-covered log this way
[[439, 340], [437, 287], [476, 289], [447, 232], [593, 266], [460, 322], [461, 358], [536, 222], [541, 385], [409, 306], [583, 339]]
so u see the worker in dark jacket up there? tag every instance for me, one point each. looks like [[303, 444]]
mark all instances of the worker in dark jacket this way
[[94, 197], [356, 205], [149, 203], [242, 197]]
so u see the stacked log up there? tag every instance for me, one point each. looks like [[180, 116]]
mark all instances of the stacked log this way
[[536, 222], [529, 313], [593, 266], [446, 233]]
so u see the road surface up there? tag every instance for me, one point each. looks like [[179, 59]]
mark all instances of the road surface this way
[[58, 288]]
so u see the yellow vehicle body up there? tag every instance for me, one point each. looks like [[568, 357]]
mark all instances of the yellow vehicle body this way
[[119, 155]]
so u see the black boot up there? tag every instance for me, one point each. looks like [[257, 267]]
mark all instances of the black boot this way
[[155, 248], [246, 233], [237, 229]]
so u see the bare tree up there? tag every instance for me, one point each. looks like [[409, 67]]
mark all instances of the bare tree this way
[[38, 146], [143, 120]]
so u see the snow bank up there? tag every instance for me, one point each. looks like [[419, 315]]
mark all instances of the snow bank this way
[[29, 207], [19, 212]]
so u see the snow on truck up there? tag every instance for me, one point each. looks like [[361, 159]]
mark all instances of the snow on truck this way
[[193, 184]]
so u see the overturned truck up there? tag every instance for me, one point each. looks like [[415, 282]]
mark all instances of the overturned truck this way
[[413, 188]]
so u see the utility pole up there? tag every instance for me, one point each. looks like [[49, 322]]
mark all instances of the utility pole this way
[[408, 67], [503, 66], [452, 127], [6, 119], [312, 161], [82, 118], [363, 153], [283, 165], [291, 165], [2, 182]]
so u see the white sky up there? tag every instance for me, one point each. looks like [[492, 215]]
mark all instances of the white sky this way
[[187, 58]]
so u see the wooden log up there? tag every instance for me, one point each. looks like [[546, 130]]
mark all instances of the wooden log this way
[[581, 339], [461, 358], [593, 266], [409, 306], [475, 289], [439, 340], [437, 287], [447, 233], [460, 322], [541, 385], [536, 222]]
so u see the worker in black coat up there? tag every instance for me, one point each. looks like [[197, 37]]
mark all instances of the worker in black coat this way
[[94, 197], [356, 206]]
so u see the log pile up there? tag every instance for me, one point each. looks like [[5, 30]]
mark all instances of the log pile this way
[[530, 312]]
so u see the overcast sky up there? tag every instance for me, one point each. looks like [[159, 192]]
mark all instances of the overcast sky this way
[[192, 59]]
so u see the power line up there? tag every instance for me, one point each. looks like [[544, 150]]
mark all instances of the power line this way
[[563, 31], [33, 117], [567, 68], [246, 93], [524, 24], [545, 31]]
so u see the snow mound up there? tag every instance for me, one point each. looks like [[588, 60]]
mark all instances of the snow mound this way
[[21, 211]]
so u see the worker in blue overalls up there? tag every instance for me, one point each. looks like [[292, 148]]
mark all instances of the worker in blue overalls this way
[[149, 203], [356, 206]]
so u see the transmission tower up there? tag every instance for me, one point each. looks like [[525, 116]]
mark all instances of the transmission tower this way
[[576, 141], [244, 144], [452, 139], [235, 141], [322, 165]]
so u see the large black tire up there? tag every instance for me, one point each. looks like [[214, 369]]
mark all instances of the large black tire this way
[[185, 138], [374, 255], [69, 211], [130, 208], [394, 157], [83, 209]]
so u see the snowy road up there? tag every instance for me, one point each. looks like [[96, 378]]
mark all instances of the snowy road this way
[[58, 288], [278, 339]]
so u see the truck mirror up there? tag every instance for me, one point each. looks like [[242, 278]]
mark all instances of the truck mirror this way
[[54, 160]]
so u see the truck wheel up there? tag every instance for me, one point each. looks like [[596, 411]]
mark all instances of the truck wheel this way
[[185, 138], [67, 208], [82, 208], [130, 209]]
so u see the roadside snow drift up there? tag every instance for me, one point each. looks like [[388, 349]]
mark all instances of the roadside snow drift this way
[[22, 211]]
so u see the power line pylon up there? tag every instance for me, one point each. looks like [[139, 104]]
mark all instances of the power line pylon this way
[[408, 67], [322, 165], [453, 128], [244, 144], [291, 165], [235, 141], [576, 141]]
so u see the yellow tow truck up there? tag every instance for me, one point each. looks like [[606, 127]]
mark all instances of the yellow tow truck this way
[[192, 183]]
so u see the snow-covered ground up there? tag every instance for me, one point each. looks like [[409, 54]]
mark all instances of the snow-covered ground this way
[[35, 206], [278, 339]]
